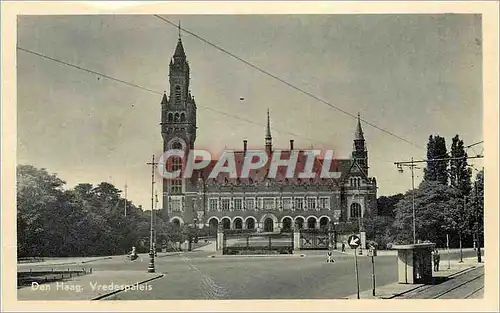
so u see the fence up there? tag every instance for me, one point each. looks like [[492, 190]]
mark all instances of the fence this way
[[317, 239], [257, 243]]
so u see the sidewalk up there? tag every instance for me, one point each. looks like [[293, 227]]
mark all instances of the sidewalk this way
[[85, 260], [63, 261], [89, 287], [395, 290]]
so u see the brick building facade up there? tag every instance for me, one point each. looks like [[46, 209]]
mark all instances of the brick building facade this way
[[257, 202]]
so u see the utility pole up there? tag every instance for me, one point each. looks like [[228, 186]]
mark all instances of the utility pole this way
[[413, 199], [460, 233], [151, 266], [126, 199], [412, 165], [156, 228], [478, 250]]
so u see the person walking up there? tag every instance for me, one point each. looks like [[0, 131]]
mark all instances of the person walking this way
[[436, 258], [343, 246]]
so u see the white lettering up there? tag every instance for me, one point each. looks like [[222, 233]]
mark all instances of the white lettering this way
[[327, 162], [220, 167], [290, 164], [191, 164], [248, 163], [162, 169], [311, 157]]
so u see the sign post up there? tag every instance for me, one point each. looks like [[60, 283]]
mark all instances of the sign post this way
[[373, 252], [354, 242]]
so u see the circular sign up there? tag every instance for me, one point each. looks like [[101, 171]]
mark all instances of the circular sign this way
[[354, 241]]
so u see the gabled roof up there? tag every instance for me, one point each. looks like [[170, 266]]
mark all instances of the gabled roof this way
[[342, 166]]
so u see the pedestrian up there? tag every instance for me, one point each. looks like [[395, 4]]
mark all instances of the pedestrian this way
[[343, 246], [436, 259]]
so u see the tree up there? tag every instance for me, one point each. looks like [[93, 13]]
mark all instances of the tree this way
[[432, 202], [460, 173], [436, 170], [377, 229], [82, 221], [430, 170], [38, 200], [386, 206]]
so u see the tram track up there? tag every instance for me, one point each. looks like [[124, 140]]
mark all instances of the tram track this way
[[474, 292], [441, 294]]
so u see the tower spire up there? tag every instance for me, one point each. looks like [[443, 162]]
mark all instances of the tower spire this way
[[179, 30], [179, 50], [359, 131], [268, 128], [268, 137]]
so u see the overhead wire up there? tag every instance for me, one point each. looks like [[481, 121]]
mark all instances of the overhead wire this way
[[284, 81]]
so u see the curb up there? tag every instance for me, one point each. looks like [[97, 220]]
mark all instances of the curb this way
[[429, 286], [166, 255], [278, 256], [122, 289], [99, 259], [470, 268]]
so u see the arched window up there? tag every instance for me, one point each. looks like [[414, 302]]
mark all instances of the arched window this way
[[177, 94], [183, 117], [170, 117], [176, 118], [355, 210], [177, 145]]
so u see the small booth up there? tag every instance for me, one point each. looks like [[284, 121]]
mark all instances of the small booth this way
[[414, 263]]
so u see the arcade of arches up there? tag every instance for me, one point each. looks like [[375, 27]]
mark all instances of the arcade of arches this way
[[268, 223]]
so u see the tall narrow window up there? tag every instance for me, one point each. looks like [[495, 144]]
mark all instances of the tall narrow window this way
[[225, 204], [355, 210], [213, 204], [250, 204], [177, 94], [237, 203]]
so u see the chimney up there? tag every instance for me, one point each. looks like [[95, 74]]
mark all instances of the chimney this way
[[291, 145], [244, 147]]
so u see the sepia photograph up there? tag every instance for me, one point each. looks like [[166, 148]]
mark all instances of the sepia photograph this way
[[252, 156]]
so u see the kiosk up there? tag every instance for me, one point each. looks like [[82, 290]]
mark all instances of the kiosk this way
[[414, 263]]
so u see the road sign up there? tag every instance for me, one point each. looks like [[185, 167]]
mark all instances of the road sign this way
[[354, 241]]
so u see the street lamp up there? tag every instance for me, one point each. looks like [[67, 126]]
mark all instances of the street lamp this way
[[412, 167], [151, 266]]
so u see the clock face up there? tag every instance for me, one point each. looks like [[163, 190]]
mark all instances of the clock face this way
[[177, 143]]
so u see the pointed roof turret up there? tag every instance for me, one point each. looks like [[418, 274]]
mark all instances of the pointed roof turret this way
[[179, 50], [268, 139], [164, 99], [268, 128], [359, 131]]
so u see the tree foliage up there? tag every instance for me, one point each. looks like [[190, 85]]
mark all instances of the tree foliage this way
[[436, 171], [460, 173], [83, 221], [386, 206], [434, 204]]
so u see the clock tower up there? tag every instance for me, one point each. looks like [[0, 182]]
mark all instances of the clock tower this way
[[178, 129]]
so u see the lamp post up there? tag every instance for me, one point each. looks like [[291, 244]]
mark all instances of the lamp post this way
[[412, 167], [151, 266], [478, 245]]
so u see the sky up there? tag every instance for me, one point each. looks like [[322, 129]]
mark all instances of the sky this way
[[411, 75]]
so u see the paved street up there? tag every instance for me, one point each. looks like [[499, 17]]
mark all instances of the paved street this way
[[195, 275], [262, 278]]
